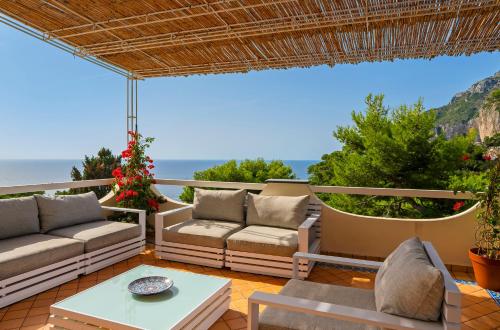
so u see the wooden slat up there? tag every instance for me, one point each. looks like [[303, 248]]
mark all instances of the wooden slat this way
[[153, 38]]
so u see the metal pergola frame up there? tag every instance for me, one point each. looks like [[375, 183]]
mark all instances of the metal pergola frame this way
[[131, 79]]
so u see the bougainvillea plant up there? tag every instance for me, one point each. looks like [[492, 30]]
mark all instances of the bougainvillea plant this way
[[487, 233], [133, 179]]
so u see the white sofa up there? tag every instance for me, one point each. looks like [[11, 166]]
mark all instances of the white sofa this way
[[47, 241]]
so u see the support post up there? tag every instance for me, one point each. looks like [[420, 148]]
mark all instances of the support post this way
[[132, 105]]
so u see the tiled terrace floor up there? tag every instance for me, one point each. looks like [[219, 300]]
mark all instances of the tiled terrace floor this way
[[479, 310]]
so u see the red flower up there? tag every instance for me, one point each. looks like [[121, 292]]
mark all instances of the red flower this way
[[131, 133], [154, 204], [458, 205], [131, 193], [151, 167], [120, 184], [465, 157], [117, 172], [126, 153], [487, 157], [146, 172], [120, 197]]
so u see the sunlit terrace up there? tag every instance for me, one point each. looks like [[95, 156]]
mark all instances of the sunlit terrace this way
[[268, 255]]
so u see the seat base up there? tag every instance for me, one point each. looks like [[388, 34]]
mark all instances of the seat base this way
[[267, 264], [192, 254]]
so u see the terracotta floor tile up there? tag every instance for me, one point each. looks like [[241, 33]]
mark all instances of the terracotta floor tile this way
[[38, 319], [11, 315], [491, 305], [469, 313], [492, 322], [40, 326], [231, 314], [46, 294], [39, 311], [69, 286], [479, 325], [20, 305], [236, 323], [220, 325], [44, 302], [495, 315], [11, 324]]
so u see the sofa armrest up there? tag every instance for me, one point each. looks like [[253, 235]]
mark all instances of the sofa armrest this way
[[310, 221], [307, 233], [159, 221], [142, 216], [332, 260], [333, 311]]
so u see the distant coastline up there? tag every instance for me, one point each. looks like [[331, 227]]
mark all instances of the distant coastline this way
[[30, 171]]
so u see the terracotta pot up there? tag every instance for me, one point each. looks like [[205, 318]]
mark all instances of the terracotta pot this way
[[486, 270]]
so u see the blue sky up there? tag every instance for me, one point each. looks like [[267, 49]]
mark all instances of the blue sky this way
[[56, 106]]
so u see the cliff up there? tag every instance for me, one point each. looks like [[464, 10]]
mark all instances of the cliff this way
[[470, 109]]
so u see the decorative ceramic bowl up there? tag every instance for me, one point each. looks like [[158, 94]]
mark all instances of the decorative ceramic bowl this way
[[150, 285]]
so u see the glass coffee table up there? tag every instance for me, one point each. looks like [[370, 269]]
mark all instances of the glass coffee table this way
[[194, 302]]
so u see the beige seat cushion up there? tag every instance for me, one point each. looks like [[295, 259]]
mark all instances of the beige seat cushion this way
[[265, 240], [19, 216], [277, 211], [279, 319], [225, 205], [26, 253], [208, 233], [409, 285], [63, 211], [100, 234]]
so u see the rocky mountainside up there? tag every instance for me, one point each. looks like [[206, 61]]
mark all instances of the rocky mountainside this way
[[468, 110]]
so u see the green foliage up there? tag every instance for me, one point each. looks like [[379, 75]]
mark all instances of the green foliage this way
[[460, 110], [253, 171], [488, 218], [493, 100], [21, 195], [94, 167], [391, 149]]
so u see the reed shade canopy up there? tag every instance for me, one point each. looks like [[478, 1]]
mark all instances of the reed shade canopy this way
[[152, 38]]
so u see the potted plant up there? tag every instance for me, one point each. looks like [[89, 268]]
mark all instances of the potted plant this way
[[485, 256], [133, 179]]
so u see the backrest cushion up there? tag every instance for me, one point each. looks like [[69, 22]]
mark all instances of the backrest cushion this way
[[18, 216], [63, 211], [224, 205], [277, 211], [408, 284]]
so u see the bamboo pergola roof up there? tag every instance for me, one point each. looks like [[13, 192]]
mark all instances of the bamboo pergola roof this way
[[152, 38]]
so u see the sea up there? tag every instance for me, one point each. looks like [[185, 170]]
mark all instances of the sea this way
[[22, 172]]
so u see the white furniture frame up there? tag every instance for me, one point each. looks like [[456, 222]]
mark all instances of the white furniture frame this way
[[192, 254], [450, 311], [309, 242], [24, 285], [115, 253]]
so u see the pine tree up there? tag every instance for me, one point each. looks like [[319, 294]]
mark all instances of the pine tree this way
[[96, 167]]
